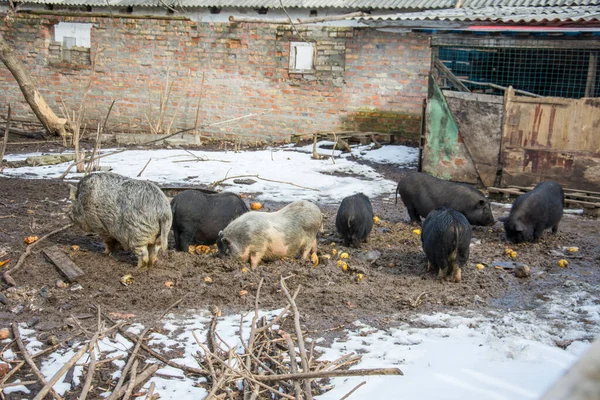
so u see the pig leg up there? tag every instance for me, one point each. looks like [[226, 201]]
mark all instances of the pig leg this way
[[305, 252], [142, 255], [255, 258], [153, 250], [314, 246], [110, 245], [442, 272], [537, 234], [555, 229], [413, 214], [183, 239], [429, 266], [456, 274]]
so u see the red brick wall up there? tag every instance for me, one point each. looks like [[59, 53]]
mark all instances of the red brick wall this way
[[364, 79]]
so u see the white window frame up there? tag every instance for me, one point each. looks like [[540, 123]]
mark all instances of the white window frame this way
[[301, 61]]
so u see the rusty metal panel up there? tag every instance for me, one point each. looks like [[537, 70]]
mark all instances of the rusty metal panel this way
[[551, 138], [479, 121], [444, 153]]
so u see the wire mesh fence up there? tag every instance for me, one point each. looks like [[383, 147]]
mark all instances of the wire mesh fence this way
[[544, 67]]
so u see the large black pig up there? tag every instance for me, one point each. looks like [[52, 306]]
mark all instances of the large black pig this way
[[535, 211], [354, 219], [446, 237], [422, 193], [199, 217]]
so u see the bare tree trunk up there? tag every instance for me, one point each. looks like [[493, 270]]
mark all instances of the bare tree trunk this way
[[52, 123]]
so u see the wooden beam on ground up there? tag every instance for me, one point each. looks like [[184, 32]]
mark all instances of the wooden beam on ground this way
[[69, 269]]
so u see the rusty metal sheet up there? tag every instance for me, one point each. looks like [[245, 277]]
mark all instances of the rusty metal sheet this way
[[479, 120], [551, 138]]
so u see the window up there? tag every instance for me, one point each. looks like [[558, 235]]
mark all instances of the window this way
[[301, 56], [71, 44], [76, 34]]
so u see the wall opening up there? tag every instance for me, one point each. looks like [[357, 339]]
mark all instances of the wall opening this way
[[302, 56], [71, 43]]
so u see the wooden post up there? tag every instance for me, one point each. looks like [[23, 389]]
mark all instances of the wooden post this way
[[5, 140], [591, 77]]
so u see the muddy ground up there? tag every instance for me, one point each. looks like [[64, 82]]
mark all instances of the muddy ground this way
[[393, 285]]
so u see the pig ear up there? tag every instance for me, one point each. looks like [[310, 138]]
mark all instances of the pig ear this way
[[220, 234], [519, 227]]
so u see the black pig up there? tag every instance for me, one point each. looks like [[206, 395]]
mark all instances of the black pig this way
[[199, 217], [354, 219], [422, 193], [446, 236], [535, 211]]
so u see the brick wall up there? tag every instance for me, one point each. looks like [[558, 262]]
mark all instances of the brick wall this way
[[363, 79]]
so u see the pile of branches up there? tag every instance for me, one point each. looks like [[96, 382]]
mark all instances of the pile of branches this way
[[271, 362], [274, 363]]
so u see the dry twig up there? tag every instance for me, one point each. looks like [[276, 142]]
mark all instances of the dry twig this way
[[130, 362], [29, 360], [48, 386]]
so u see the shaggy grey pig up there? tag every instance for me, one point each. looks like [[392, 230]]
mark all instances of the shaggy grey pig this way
[[354, 219], [257, 236], [129, 213], [421, 193], [446, 237], [199, 217], [535, 211]]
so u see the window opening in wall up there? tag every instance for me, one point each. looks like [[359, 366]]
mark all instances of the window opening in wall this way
[[313, 13], [78, 31], [262, 10], [71, 43], [301, 56]]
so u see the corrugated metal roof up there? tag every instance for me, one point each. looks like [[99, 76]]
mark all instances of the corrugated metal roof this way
[[497, 14], [353, 4]]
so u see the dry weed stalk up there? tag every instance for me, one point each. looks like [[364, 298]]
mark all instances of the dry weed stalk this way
[[160, 125]]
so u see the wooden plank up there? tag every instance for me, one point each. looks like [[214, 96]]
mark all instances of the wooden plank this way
[[572, 193], [584, 204], [451, 77], [57, 257], [517, 191], [479, 120], [591, 77]]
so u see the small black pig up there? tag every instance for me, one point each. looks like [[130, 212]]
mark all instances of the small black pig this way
[[535, 211], [446, 236], [422, 193], [199, 217], [354, 219]]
